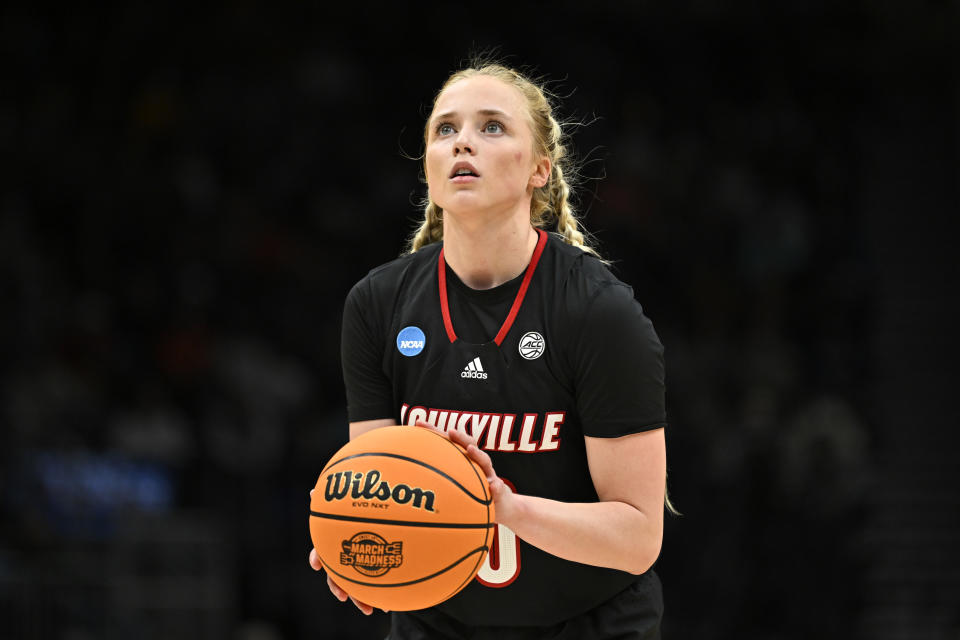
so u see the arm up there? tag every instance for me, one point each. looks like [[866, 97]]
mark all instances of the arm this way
[[624, 530], [620, 396], [356, 428]]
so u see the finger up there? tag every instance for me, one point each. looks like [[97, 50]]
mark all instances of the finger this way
[[314, 560], [481, 457], [337, 592], [427, 425], [483, 461], [461, 438], [365, 608], [455, 435]]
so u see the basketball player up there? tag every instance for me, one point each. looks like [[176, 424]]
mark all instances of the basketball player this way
[[519, 344]]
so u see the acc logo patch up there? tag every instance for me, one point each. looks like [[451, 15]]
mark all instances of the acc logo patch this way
[[370, 554], [411, 341], [532, 345]]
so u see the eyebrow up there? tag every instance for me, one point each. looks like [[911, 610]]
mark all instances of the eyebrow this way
[[484, 112]]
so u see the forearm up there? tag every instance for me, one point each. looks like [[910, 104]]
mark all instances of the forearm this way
[[607, 534]]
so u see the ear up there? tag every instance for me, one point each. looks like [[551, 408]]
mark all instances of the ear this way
[[541, 172]]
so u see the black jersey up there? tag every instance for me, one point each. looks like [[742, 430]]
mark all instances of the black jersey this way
[[528, 369]]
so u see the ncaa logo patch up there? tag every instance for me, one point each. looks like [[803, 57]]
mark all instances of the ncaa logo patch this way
[[532, 345], [411, 341]]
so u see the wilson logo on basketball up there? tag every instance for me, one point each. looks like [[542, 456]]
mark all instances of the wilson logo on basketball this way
[[370, 554], [369, 486]]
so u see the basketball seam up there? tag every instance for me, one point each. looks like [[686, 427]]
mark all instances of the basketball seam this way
[[419, 462], [487, 534], [473, 572], [403, 523], [483, 481]]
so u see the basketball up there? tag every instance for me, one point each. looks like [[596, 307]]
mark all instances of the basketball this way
[[401, 518]]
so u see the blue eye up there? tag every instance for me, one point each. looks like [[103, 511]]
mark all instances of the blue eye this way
[[493, 127], [444, 128]]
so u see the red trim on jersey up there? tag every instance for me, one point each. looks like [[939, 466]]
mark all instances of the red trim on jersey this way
[[444, 307], [527, 277], [517, 302]]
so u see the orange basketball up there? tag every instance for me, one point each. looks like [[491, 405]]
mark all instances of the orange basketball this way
[[401, 518]]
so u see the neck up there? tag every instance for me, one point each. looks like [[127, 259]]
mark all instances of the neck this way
[[486, 254]]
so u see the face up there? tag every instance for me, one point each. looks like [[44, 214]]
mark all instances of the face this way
[[480, 154]]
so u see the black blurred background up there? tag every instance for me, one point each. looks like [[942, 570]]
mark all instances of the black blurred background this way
[[190, 192]]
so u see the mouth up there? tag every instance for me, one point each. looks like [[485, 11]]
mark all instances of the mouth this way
[[463, 170]]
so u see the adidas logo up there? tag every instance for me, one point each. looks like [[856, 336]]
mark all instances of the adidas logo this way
[[474, 370]]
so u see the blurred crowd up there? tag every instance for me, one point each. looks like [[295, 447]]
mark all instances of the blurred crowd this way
[[190, 198]]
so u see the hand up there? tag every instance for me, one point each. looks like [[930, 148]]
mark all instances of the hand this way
[[505, 502], [335, 589]]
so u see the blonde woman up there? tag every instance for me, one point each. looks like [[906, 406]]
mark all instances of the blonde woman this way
[[502, 328]]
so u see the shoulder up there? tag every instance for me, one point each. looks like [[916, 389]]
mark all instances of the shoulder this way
[[591, 303], [609, 348], [583, 278], [389, 279]]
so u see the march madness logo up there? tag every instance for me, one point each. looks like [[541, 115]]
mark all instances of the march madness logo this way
[[370, 554]]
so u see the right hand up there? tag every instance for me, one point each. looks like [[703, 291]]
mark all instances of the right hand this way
[[335, 589]]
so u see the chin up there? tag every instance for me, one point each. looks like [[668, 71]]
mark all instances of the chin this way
[[462, 203]]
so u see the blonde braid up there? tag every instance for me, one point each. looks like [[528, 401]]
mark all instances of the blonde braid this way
[[431, 230], [567, 224], [552, 201], [544, 206]]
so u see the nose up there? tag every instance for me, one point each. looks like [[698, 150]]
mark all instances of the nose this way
[[463, 143]]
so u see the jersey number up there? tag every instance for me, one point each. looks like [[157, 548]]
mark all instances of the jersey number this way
[[502, 564]]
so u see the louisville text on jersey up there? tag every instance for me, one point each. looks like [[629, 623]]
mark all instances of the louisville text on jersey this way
[[369, 486], [531, 433]]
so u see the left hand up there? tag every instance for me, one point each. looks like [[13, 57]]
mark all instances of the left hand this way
[[505, 502]]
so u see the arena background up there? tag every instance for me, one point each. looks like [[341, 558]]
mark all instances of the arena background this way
[[190, 192]]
